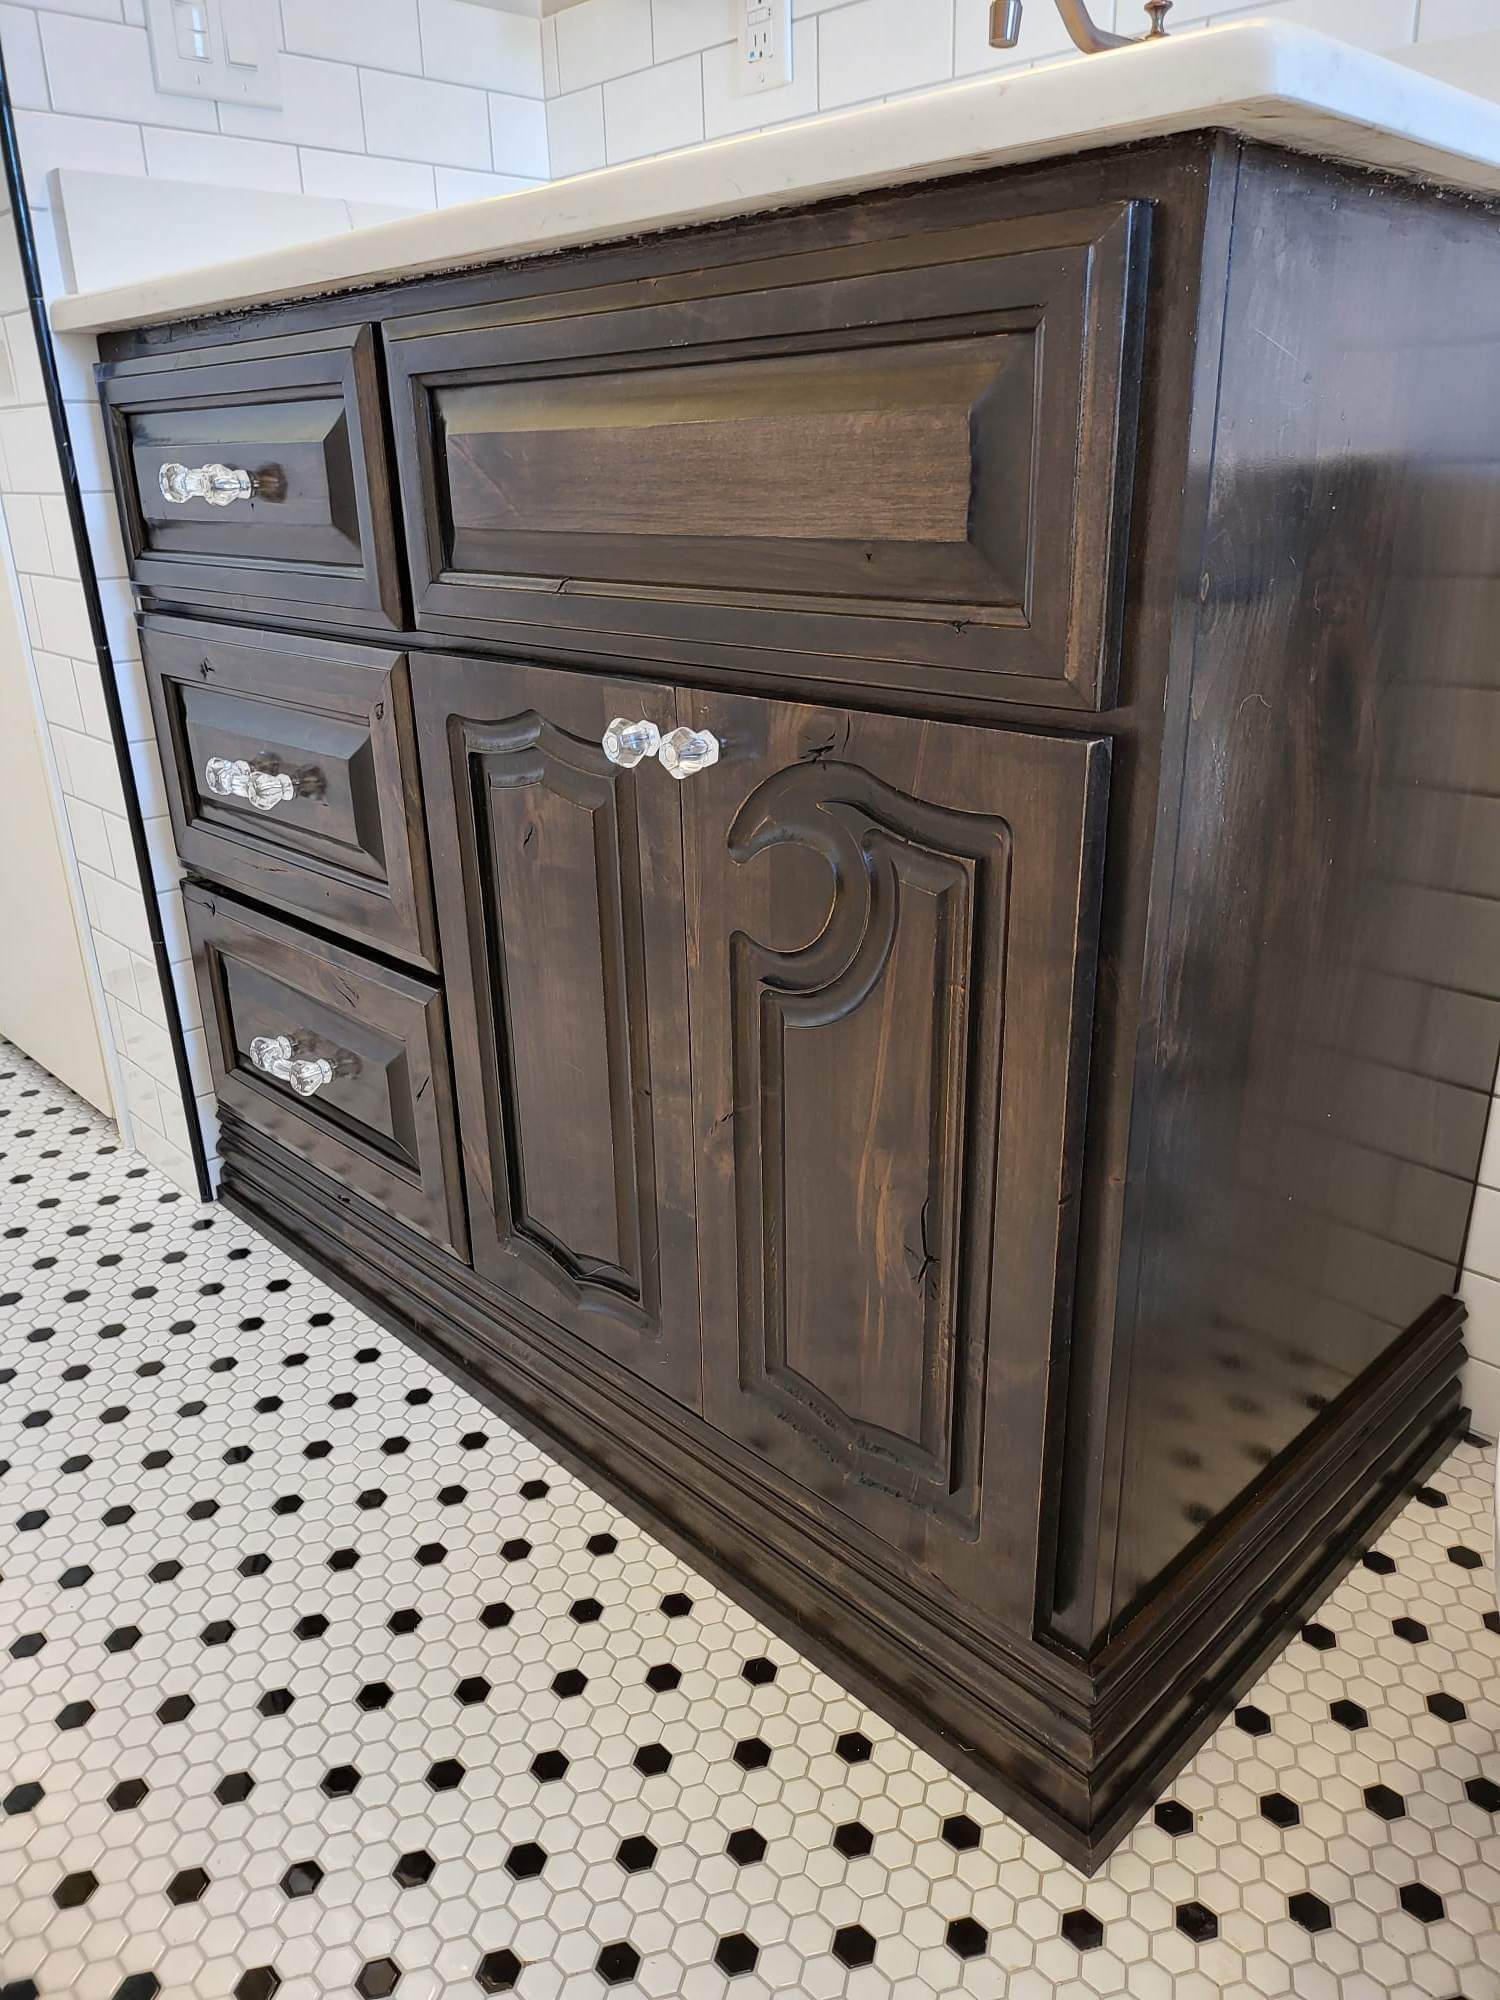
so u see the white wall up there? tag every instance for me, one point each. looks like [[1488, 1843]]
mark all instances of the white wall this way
[[416, 104], [630, 77], [375, 112]]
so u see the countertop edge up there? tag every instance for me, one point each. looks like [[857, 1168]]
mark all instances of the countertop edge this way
[[1266, 80]]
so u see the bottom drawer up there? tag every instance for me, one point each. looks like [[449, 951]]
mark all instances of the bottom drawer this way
[[337, 1059]]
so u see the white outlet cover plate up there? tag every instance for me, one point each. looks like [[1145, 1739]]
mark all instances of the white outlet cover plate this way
[[250, 30], [765, 37]]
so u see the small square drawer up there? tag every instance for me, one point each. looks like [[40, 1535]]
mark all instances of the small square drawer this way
[[255, 476], [291, 774], [341, 1061]]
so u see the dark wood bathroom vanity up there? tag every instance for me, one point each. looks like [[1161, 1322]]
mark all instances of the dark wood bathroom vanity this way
[[963, 1114]]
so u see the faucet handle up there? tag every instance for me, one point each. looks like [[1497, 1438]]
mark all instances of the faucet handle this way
[[1005, 23]]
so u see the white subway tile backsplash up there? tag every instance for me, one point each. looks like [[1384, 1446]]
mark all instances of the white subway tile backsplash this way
[[415, 119], [877, 47], [25, 367], [518, 135], [1489, 1166], [21, 50], [367, 177], [29, 453], [106, 545], [54, 675], [50, 140], [62, 615], [726, 112], [99, 70], [320, 107], [1369, 24], [381, 33], [117, 911], [97, 10], [1482, 1394], [575, 132], [91, 845], [214, 161], [459, 184], [92, 772], [462, 43], [1483, 1251], [1440, 20], [1481, 1294], [91, 697], [59, 527], [602, 38], [1042, 35], [654, 110], [682, 27], [90, 452], [27, 528]]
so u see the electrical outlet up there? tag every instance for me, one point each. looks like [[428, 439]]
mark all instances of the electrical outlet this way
[[229, 50], [765, 44]]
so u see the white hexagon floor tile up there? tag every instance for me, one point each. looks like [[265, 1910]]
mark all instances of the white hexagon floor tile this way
[[317, 1680]]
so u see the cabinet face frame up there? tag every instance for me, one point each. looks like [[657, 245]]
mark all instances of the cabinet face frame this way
[[1045, 480], [559, 882], [340, 365], [374, 887]]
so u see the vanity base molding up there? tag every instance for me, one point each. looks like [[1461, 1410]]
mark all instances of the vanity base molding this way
[[1072, 1750]]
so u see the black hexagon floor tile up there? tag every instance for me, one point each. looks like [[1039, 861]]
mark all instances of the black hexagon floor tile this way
[[319, 1683]]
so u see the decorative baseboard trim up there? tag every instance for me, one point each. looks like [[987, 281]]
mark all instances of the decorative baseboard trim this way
[[1072, 1750]]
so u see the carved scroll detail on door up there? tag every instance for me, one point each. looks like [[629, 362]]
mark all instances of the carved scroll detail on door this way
[[866, 1069]]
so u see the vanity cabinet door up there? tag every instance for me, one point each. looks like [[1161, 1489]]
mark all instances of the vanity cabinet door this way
[[891, 954], [559, 879]]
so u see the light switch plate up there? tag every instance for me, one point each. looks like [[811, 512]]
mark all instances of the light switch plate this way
[[229, 50], [765, 37]]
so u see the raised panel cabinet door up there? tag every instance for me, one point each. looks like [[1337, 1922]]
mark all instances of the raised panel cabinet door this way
[[891, 951], [559, 878]]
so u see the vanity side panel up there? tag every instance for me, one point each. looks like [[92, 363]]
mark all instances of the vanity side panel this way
[[1330, 1009]]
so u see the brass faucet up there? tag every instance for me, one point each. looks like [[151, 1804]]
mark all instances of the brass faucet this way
[[1005, 25]]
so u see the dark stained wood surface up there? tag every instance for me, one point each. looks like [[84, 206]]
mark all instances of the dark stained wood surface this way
[[349, 850], [383, 1126], [305, 419], [865, 459], [560, 903], [892, 928], [1271, 565], [1332, 974]]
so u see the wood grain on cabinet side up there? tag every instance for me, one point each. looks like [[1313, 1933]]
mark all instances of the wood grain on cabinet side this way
[[1330, 1010]]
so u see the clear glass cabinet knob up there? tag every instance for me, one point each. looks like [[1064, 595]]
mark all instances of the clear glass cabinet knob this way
[[276, 1056], [219, 485], [684, 751], [626, 743], [237, 778]]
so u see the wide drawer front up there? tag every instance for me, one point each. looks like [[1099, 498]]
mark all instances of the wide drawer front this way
[[903, 464], [291, 774], [257, 477], [340, 1060]]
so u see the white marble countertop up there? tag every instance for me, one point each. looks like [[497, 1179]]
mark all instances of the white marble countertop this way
[[1267, 79]]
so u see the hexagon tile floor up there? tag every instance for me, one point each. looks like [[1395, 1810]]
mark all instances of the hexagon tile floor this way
[[316, 1680]]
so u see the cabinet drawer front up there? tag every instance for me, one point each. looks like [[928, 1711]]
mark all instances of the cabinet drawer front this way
[[891, 967], [559, 883], [867, 462], [291, 774], [302, 421], [340, 1060]]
